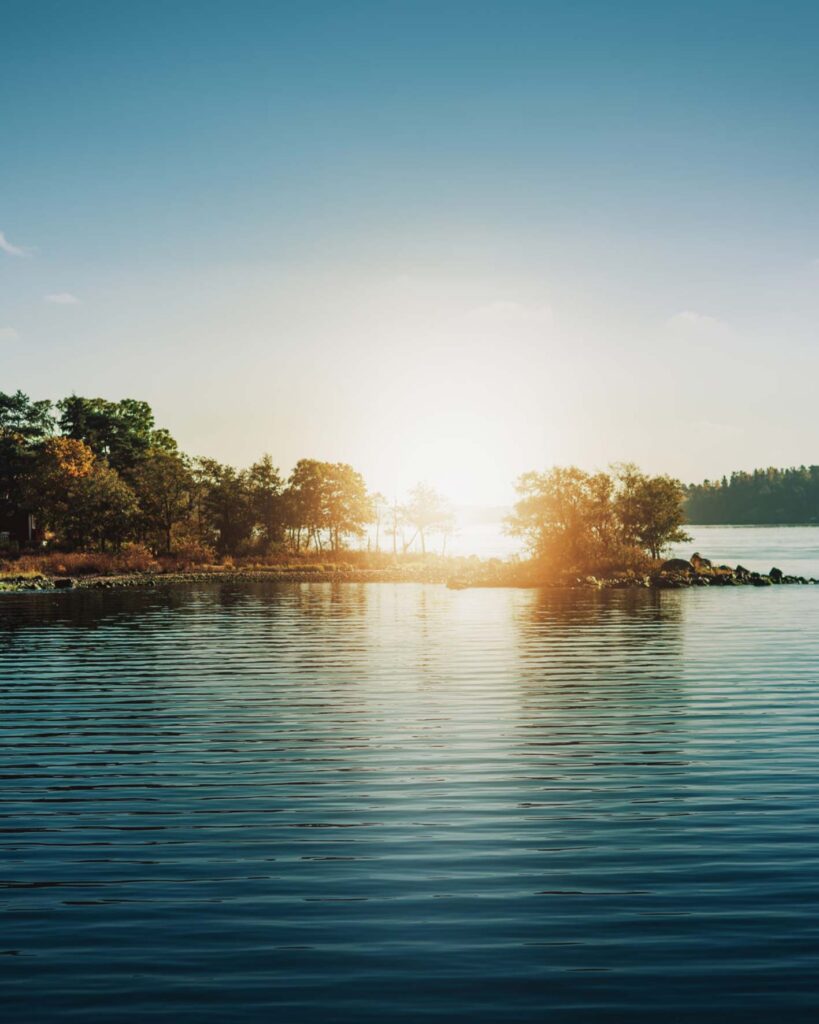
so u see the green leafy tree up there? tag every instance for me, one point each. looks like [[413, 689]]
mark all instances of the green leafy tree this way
[[120, 432], [226, 506], [84, 502], [265, 487], [328, 502], [306, 504], [24, 425], [650, 510], [762, 496], [164, 483], [349, 506]]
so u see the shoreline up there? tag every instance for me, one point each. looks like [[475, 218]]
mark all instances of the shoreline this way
[[519, 576]]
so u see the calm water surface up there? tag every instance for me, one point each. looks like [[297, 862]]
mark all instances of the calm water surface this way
[[352, 803]]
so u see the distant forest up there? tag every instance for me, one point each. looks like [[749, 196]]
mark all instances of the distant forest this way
[[763, 496]]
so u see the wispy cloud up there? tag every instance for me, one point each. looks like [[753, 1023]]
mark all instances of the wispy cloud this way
[[62, 299], [8, 334], [12, 250], [698, 322]]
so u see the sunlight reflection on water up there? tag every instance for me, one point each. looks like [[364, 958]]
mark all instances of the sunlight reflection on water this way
[[393, 802]]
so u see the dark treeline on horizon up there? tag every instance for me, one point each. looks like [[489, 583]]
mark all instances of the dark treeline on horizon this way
[[765, 496]]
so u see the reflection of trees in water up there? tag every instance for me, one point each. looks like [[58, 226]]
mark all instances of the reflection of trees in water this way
[[600, 678], [83, 609], [604, 631]]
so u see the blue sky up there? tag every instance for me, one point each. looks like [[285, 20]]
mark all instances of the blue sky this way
[[451, 240]]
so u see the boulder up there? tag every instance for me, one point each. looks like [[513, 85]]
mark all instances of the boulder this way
[[671, 581], [699, 562], [776, 575], [677, 565], [63, 583]]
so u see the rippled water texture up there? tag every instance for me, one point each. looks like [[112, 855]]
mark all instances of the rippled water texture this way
[[387, 803]]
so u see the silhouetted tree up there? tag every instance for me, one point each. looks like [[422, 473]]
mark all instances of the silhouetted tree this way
[[426, 512]]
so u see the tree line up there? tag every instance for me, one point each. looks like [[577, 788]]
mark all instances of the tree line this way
[[765, 496], [98, 474]]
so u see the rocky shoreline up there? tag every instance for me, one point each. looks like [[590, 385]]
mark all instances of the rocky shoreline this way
[[302, 574], [674, 574]]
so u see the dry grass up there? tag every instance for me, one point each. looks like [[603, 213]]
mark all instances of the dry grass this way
[[136, 558], [133, 558]]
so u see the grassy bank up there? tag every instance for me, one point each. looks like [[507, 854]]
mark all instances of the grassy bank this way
[[138, 567]]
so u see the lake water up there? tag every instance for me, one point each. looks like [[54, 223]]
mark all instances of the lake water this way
[[369, 803], [793, 549]]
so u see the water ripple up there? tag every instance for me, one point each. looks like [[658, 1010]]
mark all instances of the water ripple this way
[[366, 803]]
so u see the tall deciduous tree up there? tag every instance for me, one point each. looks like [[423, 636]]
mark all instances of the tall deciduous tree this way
[[578, 518], [164, 484], [426, 512], [79, 497], [327, 498], [226, 505], [265, 486], [650, 510]]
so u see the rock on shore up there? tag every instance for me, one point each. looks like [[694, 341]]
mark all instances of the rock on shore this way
[[674, 574]]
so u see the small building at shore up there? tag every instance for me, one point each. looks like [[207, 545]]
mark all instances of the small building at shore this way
[[19, 529]]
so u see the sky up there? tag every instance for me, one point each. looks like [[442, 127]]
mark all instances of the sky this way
[[442, 241]]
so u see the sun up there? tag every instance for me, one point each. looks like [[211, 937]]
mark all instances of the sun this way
[[458, 459]]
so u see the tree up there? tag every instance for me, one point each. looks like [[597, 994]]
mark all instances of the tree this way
[[305, 501], [650, 510], [80, 498], [560, 513], [24, 425], [396, 521], [380, 508], [163, 483], [582, 518], [30, 420], [349, 506], [225, 505], [120, 432], [426, 512], [265, 488], [762, 496], [327, 497]]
